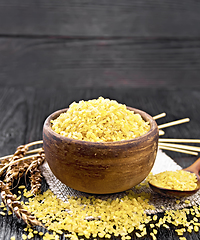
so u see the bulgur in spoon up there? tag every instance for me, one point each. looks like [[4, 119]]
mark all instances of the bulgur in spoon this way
[[180, 183]]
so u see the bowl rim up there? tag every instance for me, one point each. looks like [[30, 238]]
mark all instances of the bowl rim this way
[[55, 114]]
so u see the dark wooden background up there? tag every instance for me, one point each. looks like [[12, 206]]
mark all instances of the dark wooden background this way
[[86, 43], [143, 53]]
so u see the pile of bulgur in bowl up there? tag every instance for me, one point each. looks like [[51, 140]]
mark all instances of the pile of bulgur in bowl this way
[[100, 146], [100, 120]]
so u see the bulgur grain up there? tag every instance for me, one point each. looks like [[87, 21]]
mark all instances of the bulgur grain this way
[[100, 120], [125, 214], [176, 180], [24, 237]]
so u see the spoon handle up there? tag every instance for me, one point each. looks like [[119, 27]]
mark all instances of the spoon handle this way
[[195, 167]]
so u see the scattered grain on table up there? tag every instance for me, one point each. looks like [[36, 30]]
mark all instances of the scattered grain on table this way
[[92, 217]]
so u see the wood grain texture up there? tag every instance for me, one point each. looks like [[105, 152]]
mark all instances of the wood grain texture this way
[[86, 63], [143, 53], [105, 18], [24, 109]]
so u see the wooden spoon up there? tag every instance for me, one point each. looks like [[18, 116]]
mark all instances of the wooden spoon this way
[[194, 168]]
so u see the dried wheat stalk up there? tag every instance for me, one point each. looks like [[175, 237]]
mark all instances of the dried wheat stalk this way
[[16, 207], [3, 163], [14, 166], [35, 172], [15, 170], [19, 153]]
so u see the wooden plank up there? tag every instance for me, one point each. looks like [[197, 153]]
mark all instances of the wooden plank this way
[[139, 62], [108, 18], [13, 112], [24, 109]]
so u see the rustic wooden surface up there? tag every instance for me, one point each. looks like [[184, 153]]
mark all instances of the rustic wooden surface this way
[[145, 54], [89, 62], [106, 43], [24, 109]]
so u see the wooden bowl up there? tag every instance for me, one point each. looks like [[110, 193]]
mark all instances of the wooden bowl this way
[[100, 168]]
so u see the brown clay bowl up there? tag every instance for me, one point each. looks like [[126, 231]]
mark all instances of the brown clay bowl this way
[[100, 168]]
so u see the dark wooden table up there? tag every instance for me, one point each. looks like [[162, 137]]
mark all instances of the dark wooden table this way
[[145, 54], [24, 109]]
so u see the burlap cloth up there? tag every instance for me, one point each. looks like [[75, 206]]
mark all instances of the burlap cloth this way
[[162, 163]]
